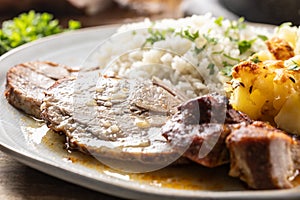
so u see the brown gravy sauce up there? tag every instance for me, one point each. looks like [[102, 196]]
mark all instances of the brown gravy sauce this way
[[186, 176]]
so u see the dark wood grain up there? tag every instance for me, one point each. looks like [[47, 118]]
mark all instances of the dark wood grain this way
[[17, 181]]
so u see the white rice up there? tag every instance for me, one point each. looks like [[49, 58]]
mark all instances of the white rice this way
[[127, 52]]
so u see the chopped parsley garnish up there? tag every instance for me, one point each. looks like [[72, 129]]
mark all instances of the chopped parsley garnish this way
[[211, 68], [199, 50], [262, 37], [235, 26], [170, 30], [295, 67], [231, 58], [211, 40], [244, 45], [155, 36], [219, 21], [188, 35], [227, 69], [238, 25], [255, 59], [241, 23], [285, 24], [217, 52]]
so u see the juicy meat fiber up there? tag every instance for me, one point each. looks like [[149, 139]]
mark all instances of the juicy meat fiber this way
[[209, 132], [113, 119], [200, 127], [263, 156], [27, 82]]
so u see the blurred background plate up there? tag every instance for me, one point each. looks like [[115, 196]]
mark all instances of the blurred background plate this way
[[102, 12]]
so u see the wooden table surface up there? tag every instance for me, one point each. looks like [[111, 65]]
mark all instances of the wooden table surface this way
[[17, 181]]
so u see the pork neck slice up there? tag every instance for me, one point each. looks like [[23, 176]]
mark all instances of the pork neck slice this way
[[26, 84], [200, 127], [114, 119], [263, 156], [210, 132]]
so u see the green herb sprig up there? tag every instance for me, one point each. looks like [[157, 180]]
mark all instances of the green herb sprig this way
[[188, 35], [211, 68], [156, 35], [28, 27], [227, 69], [244, 45], [219, 21], [210, 39], [255, 60], [294, 67]]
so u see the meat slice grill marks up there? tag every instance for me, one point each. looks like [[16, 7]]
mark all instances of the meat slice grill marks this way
[[27, 82], [101, 120], [200, 128]]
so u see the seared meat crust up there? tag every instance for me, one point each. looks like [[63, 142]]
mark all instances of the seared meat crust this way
[[200, 127], [27, 82], [263, 156]]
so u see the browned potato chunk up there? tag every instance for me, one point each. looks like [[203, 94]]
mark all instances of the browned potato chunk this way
[[280, 48], [269, 90]]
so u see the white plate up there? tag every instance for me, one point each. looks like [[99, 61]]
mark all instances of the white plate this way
[[30, 143]]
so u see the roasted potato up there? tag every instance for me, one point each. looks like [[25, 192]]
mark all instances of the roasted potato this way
[[280, 48], [268, 90]]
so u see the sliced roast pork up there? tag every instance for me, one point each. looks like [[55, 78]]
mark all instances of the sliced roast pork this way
[[200, 127], [263, 156], [211, 133], [27, 82], [113, 119]]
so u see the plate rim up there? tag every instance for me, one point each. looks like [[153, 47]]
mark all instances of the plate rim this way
[[127, 190]]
